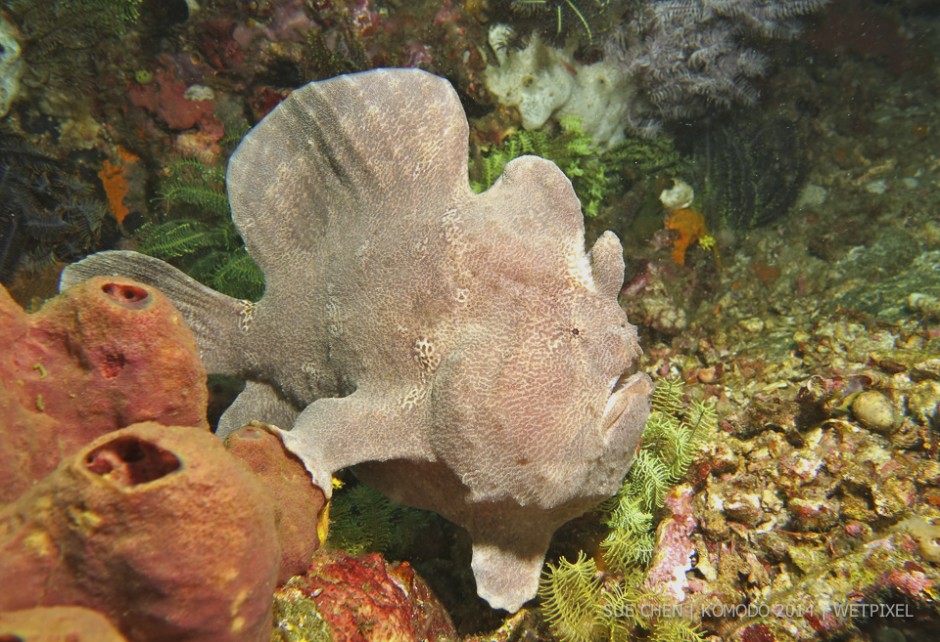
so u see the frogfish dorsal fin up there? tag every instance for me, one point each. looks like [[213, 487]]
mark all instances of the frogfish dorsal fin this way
[[349, 151]]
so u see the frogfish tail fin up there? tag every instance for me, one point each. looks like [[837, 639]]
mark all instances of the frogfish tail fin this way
[[219, 322]]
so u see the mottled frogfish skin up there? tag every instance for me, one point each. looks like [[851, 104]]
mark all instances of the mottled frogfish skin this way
[[463, 351]]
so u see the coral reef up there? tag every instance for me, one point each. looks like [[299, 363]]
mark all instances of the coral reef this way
[[665, 62], [120, 344], [278, 45], [362, 598], [651, 299], [571, 599], [562, 21], [818, 505], [124, 526], [11, 64], [887, 575], [582, 604], [818, 501], [750, 171], [595, 173], [689, 225], [47, 213], [673, 553], [70, 26], [296, 619], [65, 44], [148, 497], [816, 332], [198, 235], [120, 180], [687, 57], [362, 520], [177, 105], [543, 82]]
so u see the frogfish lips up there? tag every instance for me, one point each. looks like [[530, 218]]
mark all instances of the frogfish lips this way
[[624, 392]]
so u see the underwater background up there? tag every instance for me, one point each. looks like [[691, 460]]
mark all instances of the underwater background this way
[[772, 170]]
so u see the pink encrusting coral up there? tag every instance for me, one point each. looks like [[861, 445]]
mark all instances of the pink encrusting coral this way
[[366, 598], [674, 547], [165, 96], [185, 108], [103, 355]]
